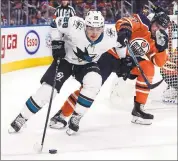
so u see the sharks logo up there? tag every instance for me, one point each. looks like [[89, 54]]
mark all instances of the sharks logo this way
[[110, 32], [78, 24], [84, 55]]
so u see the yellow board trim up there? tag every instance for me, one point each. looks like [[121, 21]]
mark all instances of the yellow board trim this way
[[27, 63]]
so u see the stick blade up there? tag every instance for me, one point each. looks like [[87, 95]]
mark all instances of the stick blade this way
[[152, 86], [37, 147]]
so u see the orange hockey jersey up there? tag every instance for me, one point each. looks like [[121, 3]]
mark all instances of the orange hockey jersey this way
[[141, 42], [171, 66]]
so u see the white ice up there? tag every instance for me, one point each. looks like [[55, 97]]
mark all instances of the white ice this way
[[106, 131]]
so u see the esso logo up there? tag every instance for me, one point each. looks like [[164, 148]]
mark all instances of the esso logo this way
[[32, 42]]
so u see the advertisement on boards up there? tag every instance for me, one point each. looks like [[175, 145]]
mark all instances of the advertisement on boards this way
[[8, 43], [31, 42], [24, 42]]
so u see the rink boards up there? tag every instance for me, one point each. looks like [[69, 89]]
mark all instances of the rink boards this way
[[27, 46]]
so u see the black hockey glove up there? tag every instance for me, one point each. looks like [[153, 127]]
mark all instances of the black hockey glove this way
[[124, 33], [58, 50], [158, 9], [126, 65], [161, 41]]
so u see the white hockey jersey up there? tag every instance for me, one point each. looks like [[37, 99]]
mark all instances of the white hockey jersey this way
[[75, 38]]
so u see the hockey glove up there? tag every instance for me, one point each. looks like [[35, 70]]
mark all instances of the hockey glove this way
[[58, 50], [126, 65], [158, 9], [125, 32], [161, 40]]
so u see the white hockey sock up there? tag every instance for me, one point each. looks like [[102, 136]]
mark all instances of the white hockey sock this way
[[37, 101], [83, 104]]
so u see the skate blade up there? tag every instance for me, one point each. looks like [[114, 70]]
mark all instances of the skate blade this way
[[141, 121], [70, 132], [57, 125], [11, 130]]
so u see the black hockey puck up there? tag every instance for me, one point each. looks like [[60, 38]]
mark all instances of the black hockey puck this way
[[52, 151]]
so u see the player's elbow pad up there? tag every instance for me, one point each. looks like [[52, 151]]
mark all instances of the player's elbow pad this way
[[160, 59], [55, 34]]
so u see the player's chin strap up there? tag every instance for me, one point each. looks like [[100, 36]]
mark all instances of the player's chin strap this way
[[150, 86]]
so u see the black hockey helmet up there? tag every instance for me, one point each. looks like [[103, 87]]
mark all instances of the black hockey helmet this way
[[162, 19]]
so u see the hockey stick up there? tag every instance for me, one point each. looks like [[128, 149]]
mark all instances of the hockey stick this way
[[153, 6], [150, 86], [39, 148]]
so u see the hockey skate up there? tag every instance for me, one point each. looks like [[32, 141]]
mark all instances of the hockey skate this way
[[139, 116], [74, 123], [17, 124], [58, 121]]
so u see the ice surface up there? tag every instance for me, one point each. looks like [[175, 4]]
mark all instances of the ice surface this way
[[105, 132]]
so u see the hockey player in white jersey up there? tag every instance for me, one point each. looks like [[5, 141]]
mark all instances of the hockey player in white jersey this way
[[84, 43]]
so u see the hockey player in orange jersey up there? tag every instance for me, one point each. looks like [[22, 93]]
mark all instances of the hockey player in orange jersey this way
[[149, 42]]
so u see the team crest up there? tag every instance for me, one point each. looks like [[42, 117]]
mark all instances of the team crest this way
[[110, 32], [84, 55], [60, 22], [78, 24], [140, 46], [48, 40]]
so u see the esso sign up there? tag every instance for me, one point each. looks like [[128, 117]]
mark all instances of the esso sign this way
[[32, 42]]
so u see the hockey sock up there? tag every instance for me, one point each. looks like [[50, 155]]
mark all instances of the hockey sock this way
[[37, 101], [69, 105], [83, 104]]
